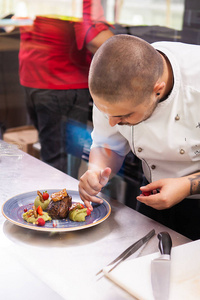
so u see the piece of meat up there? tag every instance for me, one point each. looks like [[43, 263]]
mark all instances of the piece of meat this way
[[59, 209]]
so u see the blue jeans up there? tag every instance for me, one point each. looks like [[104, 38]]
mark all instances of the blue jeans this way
[[54, 113]]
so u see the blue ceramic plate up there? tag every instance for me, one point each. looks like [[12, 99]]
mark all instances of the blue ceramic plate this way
[[13, 210]]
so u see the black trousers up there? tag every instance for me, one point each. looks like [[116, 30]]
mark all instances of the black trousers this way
[[183, 217], [60, 117]]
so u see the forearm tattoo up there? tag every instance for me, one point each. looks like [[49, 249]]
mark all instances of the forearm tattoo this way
[[194, 185]]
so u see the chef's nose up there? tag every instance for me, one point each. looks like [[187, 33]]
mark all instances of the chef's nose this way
[[114, 121]]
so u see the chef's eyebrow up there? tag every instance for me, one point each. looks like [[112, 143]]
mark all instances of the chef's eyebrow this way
[[120, 116], [123, 116]]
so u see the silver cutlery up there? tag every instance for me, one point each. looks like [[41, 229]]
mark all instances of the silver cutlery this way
[[129, 251]]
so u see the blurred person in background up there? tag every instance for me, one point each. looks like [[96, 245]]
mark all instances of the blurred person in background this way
[[54, 59]]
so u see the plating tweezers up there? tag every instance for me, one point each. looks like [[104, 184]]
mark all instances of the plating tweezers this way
[[129, 251]]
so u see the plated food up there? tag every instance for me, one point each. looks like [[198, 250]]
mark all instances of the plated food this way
[[57, 206], [13, 210]]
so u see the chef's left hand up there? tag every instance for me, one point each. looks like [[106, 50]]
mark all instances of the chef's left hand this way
[[171, 192]]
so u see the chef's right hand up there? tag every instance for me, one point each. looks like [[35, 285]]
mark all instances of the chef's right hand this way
[[91, 183]]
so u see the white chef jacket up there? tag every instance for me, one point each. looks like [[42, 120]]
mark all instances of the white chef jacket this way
[[168, 142]]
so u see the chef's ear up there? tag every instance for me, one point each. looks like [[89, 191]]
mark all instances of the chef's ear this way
[[159, 87]]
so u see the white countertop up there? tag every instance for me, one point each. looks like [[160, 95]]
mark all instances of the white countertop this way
[[63, 265]]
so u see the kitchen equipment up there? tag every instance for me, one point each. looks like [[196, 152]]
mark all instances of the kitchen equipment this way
[[129, 251], [160, 268], [134, 275]]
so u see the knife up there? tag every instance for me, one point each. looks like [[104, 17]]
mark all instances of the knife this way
[[129, 251], [160, 268]]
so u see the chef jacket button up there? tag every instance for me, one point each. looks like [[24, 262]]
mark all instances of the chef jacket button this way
[[177, 118], [153, 167], [182, 151], [139, 149]]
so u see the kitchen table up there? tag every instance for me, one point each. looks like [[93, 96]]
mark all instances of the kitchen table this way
[[62, 265]]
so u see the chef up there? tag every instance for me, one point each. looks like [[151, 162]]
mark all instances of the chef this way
[[147, 99]]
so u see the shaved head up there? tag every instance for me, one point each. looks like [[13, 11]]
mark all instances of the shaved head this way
[[125, 67]]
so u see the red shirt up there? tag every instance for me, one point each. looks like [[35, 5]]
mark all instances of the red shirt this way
[[53, 53]]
